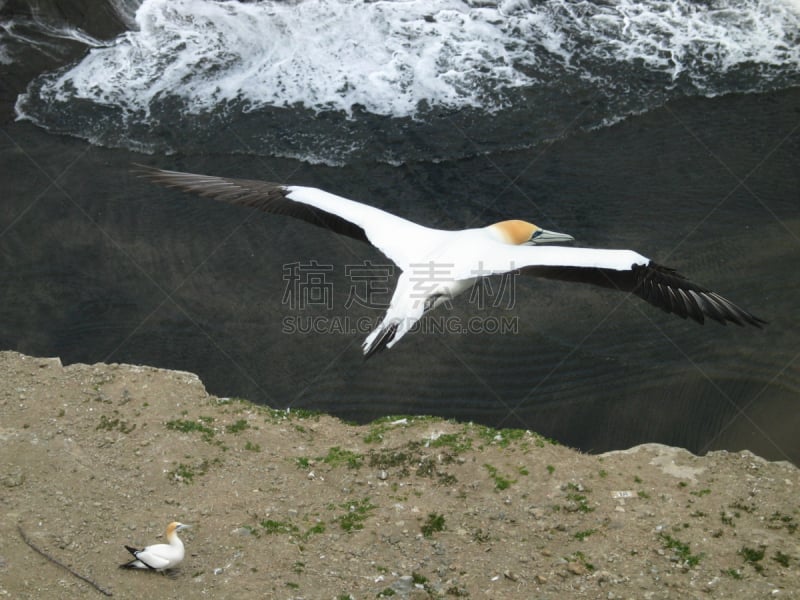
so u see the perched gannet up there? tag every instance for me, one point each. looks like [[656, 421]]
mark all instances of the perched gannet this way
[[438, 265], [159, 557]]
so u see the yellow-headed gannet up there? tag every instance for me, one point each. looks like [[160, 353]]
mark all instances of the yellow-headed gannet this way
[[437, 265], [159, 557]]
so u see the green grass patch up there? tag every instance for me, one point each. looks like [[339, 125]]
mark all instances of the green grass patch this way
[[357, 512], [582, 535], [733, 573], [186, 426], [433, 524], [278, 527], [337, 456], [753, 556], [186, 473], [781, 558], [681, 549], [237, 427], [457, 442], [114, 424], [579, 501], [500, 482]]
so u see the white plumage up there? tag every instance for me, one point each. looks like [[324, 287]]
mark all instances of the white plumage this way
[[159, 557], [459, 258]]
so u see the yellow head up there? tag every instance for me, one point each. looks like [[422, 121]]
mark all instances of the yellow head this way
[[175, 527], [517, 232]]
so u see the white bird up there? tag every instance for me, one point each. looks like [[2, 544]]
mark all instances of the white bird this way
[[159, 557], [437, 265]]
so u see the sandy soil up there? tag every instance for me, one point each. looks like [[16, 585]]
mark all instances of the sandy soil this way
[[305, 506]]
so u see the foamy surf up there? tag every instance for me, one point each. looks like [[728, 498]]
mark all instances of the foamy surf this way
[[313, 79]]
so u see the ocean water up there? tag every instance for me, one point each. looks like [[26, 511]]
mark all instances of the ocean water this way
[[671, 128]]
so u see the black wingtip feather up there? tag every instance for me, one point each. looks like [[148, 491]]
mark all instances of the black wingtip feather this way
[[386, 336], [660, 286], [261, 195]]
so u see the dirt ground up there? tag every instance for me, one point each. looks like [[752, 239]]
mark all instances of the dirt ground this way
[[305, 506]]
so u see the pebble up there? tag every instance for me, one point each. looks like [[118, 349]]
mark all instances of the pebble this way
[[404, 584], [576, 568]]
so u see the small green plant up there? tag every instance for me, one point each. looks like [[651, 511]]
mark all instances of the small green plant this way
[[278, 527], [386, 593], [753, 557], [642, 494], [336, 456], [457, 442], [681, 549], [781, 558], [112, 424], [551, 469], [357, 512], [237, 427], [502, 437], [700, 493], [434, 523], [186, 426], [313, 530], [579, 502], [500, 482], [743, 506], [582, 535], [186, 473], [734, 573], [777, 520], [603, 473], [248, 445]]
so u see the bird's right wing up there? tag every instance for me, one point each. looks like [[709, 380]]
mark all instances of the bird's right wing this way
[[392, 235]]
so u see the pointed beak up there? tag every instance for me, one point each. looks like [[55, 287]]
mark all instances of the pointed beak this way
[[542, 236], [182, 526]]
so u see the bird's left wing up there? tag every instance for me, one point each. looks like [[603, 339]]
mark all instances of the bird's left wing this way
[[153, 558], [391, 234], [626, 271]]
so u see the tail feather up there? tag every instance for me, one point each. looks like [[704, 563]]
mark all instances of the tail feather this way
[[379, 338], [135, 563]]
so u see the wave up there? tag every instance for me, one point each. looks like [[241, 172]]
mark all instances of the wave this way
[[316, 79]]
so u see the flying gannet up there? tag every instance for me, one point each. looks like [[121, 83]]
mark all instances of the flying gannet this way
[[437, 265], [159, 557]]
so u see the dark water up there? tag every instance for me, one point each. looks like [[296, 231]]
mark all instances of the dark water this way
[[97, 265]]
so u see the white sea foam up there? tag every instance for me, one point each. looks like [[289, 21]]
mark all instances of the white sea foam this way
[[395, 80], [393, 57]]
